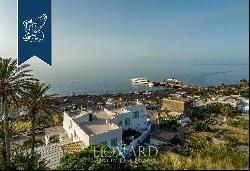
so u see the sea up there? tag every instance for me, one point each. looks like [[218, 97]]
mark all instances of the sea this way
[[80, 79]]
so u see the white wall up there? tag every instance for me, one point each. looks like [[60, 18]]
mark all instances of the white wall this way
[[138, 124], [98, 139], [90, 140], [136, 142], [81, 135], [135, 123]]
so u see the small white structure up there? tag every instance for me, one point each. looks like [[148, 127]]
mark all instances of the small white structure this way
[[104, 126], [244, 106], [200, 104], [245, 110], [23, 111], [54, 135], [184, 121]]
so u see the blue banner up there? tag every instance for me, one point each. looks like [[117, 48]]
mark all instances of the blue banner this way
[[34, 30]]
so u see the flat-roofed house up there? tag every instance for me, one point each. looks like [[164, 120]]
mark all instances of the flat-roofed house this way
[[91, 128], [82, 128], [104, 126]]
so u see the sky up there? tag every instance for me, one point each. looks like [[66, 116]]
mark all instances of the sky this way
[[110, 32]]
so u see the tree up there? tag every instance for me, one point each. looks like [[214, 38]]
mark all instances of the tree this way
[[222, 86], [13, 81], [38, 103], [57, 119], [92, 158], [200, 126], [170, 125], [28, 161], [214, 108], [244, 83], [226, 109]]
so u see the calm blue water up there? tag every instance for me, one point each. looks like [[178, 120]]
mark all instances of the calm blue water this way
[[116, 79]]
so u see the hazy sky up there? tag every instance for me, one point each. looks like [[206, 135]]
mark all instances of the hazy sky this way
[[107, 31]]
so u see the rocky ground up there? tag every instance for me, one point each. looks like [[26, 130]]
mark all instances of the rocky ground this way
[[99, 101]]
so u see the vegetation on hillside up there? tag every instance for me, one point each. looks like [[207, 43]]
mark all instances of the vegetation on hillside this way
[[213, 156], [95, 157], [242, 88]]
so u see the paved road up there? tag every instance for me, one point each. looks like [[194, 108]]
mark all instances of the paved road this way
[[21, 139]]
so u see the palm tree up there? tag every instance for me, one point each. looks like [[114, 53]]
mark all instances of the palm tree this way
[[13, 80], [2, 145], [38, 103]]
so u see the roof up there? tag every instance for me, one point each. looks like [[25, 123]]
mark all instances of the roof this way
[[54, 130], [125, 109], [234, 100], [101, 119], [174, 113], [95, 128], [99, 124], [200, 103], [73, 147], [181, 99]]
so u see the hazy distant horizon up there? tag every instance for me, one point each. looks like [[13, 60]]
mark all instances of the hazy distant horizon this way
[[95, 41]]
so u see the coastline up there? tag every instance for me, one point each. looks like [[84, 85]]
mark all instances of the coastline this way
[[98, 101]]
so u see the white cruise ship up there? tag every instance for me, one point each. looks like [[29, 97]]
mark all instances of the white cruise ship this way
[[140, 80]]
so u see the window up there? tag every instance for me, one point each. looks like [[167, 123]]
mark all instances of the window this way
[[104, 142], [120, 123], [127, 121], [136, 114], [70, 122], [75, 133], [113, 142]]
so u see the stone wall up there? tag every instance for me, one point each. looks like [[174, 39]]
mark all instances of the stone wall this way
[[176, 105]]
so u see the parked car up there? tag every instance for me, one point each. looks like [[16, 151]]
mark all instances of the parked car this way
[[22, 133], [29, 132], [39, 130]]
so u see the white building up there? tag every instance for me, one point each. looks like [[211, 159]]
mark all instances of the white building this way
[[24, 111], [237, 102], [243, 107], [105, 126]]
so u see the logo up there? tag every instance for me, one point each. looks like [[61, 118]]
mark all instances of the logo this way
[[33, 29], [124, 150]]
